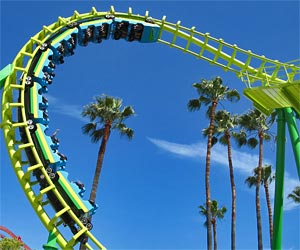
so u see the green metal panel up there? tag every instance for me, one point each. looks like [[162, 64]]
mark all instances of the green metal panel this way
[[62, 184], [294, 135], [267, 99], [4, 73]]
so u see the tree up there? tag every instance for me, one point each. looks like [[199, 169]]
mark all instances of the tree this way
[[11, 244], [105, 115], [210, 94], [216, 213], [266, 178], [259, 124], [295, 194], [224, 125]]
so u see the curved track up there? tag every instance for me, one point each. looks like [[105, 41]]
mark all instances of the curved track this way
[[269, 83], [12, 235]]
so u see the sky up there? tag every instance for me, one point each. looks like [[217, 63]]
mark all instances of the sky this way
[[151, 187]]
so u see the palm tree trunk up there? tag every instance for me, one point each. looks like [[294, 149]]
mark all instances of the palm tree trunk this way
[[207, 175], [98, 169], [258, 182], [233, 192], [214, 224], [100, 162], [266, 186]]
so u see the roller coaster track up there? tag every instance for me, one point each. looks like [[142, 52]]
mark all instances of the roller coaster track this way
[[269, 84], [12, 235]]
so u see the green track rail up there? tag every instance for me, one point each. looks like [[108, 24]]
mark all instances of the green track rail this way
[[269, 83]]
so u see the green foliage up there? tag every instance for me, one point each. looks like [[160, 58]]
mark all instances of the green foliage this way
[[216, 212], [254, 124], [266, 176], [223, 126], [254, 121], [295, 195], [11, 244], [106, 110], [212, 91]]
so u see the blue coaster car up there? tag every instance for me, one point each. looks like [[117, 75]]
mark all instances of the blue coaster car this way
[[144, 32]]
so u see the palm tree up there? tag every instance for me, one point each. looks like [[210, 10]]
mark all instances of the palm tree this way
[[210, 93], [255, 121], [295, 195], [224, 125], [266, 178], [216, 213], [105, 115]]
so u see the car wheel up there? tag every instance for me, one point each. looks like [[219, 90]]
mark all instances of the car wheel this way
[[52, 175], [28, 81], [89, 226], [49, 170], [109, 16], [72, 25], [44, 47], [84, 220]]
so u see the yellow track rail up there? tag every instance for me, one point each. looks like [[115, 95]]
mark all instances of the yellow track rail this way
[[271, 74], [24, 170]]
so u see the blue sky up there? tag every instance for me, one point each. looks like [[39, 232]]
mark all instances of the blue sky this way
[[151, 187]]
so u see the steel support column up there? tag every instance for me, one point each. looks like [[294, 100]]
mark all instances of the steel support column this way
[[279, 181]]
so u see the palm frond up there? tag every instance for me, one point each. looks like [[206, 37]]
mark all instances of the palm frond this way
[[106, 110], [214, 140], [295, 195], [217, 212], [240, 138], [128, 132], [124, 130], [108, 101], [222, 115], [215, 131], [233, 95], [252, 142], [266, 174], [204, 100], [267, 137], [89, 127], [194, 105], [205, 132], [200, 87], [97, 135], [202, 210], [223, 140], [251, 181], [127, 111]]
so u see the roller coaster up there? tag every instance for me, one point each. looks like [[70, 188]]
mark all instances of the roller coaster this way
[[42, 170]]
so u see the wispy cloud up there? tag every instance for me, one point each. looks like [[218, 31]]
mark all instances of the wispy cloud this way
[[243, 162], [60, 107]]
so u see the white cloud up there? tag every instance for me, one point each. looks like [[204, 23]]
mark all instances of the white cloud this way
[[59, 107], [243, 162], [185, 150]]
